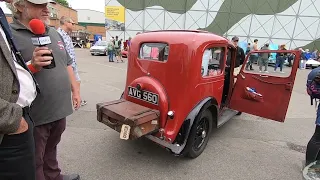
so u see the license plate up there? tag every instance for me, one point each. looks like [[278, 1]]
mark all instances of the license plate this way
[[143, 95], [125, 132]]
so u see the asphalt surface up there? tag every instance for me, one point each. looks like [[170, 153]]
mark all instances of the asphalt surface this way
[[246, 147]]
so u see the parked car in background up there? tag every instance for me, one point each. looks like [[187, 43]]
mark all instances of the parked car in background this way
[[124, 54], [99, 48]]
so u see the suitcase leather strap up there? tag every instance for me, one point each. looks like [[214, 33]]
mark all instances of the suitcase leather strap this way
[[106, 104], [139, 113]]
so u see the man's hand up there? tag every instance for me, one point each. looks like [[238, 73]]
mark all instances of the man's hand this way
[[38, 60], [76, 99], [22, 128]]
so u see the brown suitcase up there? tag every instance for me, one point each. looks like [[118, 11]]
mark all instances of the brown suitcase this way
[[117, 114]]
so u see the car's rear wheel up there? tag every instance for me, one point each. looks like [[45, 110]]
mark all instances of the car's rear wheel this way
[[92, 54], [199, 134]]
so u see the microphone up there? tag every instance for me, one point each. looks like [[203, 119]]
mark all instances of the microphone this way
[[41, 39]]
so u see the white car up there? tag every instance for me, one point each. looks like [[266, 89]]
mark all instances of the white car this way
[[312, 63], [100, 48]]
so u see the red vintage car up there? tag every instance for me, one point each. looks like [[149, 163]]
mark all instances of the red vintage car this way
[[179, 88]]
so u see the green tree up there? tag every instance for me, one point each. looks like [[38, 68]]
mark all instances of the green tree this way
[[63, 2]]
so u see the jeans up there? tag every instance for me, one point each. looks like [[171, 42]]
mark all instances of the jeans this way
[[263, 62], [110, 54], [17, 159], [251, 60], [279, 63], [313, 147], [47, 137]]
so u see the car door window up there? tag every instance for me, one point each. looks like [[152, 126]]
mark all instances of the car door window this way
[[212, 61], [270, 64]]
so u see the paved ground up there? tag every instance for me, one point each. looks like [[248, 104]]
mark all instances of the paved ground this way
[[245, 148]]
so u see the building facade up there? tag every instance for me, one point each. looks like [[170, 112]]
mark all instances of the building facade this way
[[57, 11], [294, 23], [93, 21]]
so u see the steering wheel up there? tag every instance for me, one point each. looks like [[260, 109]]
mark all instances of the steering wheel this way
[[214, 66]]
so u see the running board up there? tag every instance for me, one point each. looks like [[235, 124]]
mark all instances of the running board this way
[[226, 116]]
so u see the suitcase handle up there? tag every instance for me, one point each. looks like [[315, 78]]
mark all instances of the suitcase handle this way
[[111, 123]]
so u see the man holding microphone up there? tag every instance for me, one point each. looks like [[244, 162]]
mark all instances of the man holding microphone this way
[[58, 85]]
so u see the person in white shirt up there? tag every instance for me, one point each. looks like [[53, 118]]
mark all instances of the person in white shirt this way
[[66, 26]]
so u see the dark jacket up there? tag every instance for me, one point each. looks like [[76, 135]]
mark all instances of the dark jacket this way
[[282, 54], [10, 112], [240, 57]]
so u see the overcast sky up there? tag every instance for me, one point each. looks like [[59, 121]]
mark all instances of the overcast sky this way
[[97, 5]]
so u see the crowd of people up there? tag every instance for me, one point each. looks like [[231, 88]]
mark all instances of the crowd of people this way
[[263, 59]]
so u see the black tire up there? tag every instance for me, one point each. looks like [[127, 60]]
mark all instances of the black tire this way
[[92, 54], [202, 126]]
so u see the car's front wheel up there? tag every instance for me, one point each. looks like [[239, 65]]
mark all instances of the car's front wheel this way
[[199, 134]]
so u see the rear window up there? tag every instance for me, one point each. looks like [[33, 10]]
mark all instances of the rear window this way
[[101, 43], [154, 51]]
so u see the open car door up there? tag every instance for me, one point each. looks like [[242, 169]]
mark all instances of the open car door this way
[[266, 91]]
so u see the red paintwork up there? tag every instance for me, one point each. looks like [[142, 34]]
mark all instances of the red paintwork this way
[[124, 53], [152, 85], [178, 80], [276, 92]]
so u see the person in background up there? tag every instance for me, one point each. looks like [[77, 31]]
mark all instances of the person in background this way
[[290, 59], [117, 49], [253, 57], [248, 48], [315, 54], [307, 54], [240, 58], [313, 147], [302, 59], [66, 26], [59, 87], [264, 58], [111, 50], [280, 58], [129, 43]]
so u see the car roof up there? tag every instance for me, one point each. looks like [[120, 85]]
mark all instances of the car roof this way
[[183, 35]]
